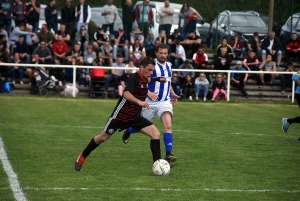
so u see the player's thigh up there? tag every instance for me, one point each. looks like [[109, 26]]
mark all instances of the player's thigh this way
[[151, 131], [139, 123], [165, 107]]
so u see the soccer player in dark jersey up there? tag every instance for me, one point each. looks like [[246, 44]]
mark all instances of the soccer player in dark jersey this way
[[127, 113]]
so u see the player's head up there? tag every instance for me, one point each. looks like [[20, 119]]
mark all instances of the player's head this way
[[147, 66], [161, 52]]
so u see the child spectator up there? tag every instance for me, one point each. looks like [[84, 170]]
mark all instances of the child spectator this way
[[237, 47], [219, 87], [188, 87], [201, 86]]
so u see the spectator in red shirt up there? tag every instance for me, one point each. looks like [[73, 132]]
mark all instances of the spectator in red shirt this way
[[237, 47], [200, 59], [60, 48], [292, 48]]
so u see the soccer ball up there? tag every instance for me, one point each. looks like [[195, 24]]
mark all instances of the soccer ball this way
[[161, 167]]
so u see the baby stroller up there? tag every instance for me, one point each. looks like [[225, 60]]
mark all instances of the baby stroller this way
[[41, 82]]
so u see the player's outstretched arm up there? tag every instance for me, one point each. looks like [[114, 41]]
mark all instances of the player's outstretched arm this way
[[133, 99]]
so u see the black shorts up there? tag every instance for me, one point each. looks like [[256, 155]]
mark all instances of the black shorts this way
[[113, 125], [297, 96]]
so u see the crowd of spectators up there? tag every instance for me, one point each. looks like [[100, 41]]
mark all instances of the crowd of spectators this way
[[50, 44]]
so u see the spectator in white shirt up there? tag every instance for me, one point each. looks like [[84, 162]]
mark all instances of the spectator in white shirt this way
[[83, 14], [110, 15], [179, 57]]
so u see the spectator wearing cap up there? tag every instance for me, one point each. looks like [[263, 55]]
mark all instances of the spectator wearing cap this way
[[179, 57], [82, 37], [172, 38], [182, 74], [286, 79], [51, 16], [128, 14], [110, 15], [83, 15], [166, 18], [89, 56], [239, 80], [144, 17], [192, 44], [42, 54], [68, 16], [60, 48], [136, 52], [254, 44], [271, 45], [33, 15], [121, 44], [6, 9], [137, 35], [99, 38]]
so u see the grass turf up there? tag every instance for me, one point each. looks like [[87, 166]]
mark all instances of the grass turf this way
[[226, 151]]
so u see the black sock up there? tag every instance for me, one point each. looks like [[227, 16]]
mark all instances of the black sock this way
[[89, 148], [168, 153], [294, 120], [155, 149]]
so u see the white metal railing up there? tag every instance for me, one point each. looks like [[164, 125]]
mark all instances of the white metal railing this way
[[173, 70]]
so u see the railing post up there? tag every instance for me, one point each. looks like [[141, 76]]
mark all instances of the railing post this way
[[293, 92], [74, 82], [228, 85]]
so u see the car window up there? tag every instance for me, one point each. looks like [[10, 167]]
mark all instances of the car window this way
[[295, 22], [225, 20], [246, 21]]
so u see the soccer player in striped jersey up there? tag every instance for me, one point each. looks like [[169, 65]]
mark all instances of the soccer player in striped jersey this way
[[161, 99], [127, 113]]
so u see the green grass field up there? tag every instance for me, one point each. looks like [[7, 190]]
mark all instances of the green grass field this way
[[226, 151]]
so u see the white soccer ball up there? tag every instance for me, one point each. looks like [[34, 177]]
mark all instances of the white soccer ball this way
[[161, 167]]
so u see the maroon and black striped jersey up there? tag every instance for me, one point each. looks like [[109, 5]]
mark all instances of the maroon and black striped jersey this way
[[125, 110]]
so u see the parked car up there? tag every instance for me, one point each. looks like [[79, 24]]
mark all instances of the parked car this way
[[286, 32], [98, 19], [276, 26], [155, 8], [230, 23]]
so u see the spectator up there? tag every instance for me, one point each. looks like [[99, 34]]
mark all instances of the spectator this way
[[136, 52], [46, 36], [239, 80], [85, 77], [254, 44], [33, 15], [31, 40], [65, 34], [144, 17], [137, 36], [115, 74], [201, 87], [166, 18], [83, 37], [175, 83], [151, 52], [271, 45], [22, 49], [57, 72], [225, 45], [75, 52], [185, 11], [162, 37], [17, 70], [70, 71], [89, 56], [2, 31], [222, 60], [19, 12], [110, 15], [192, 21], [128, 14], [60, 49], [171, 41], [200, 59], [83, 15], [18, 30], [123, 80], [237, 47], [292, 49], [267, 65], [121, 44], [99, 38], [3, 70], [4, 46], [219, 87], [68, 16], [182, 74], [150, 45], [178, 58], [188, 87], [51, 16], [286, 79], [192, 44], [130, 65], [42, 54], [251, 62], [106, 54], [6, 9]]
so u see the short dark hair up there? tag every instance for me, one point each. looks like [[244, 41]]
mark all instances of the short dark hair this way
[[177, 42], [146, 61], [161, 46]]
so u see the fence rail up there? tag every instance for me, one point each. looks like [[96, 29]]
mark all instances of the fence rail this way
[[173, 70]]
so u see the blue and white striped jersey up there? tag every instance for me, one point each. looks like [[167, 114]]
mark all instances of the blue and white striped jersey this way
[[163, 89]]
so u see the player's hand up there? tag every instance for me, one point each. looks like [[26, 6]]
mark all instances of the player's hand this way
[[162, 79], [153, 95], [144, 104], [174, 99]]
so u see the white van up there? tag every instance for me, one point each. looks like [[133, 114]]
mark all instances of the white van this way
[[155, 8]]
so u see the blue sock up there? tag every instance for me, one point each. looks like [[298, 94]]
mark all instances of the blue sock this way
[[168, 140], [131, 130]]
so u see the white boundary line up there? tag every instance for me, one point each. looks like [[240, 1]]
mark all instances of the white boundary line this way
[[12, 176], [158, 189]]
